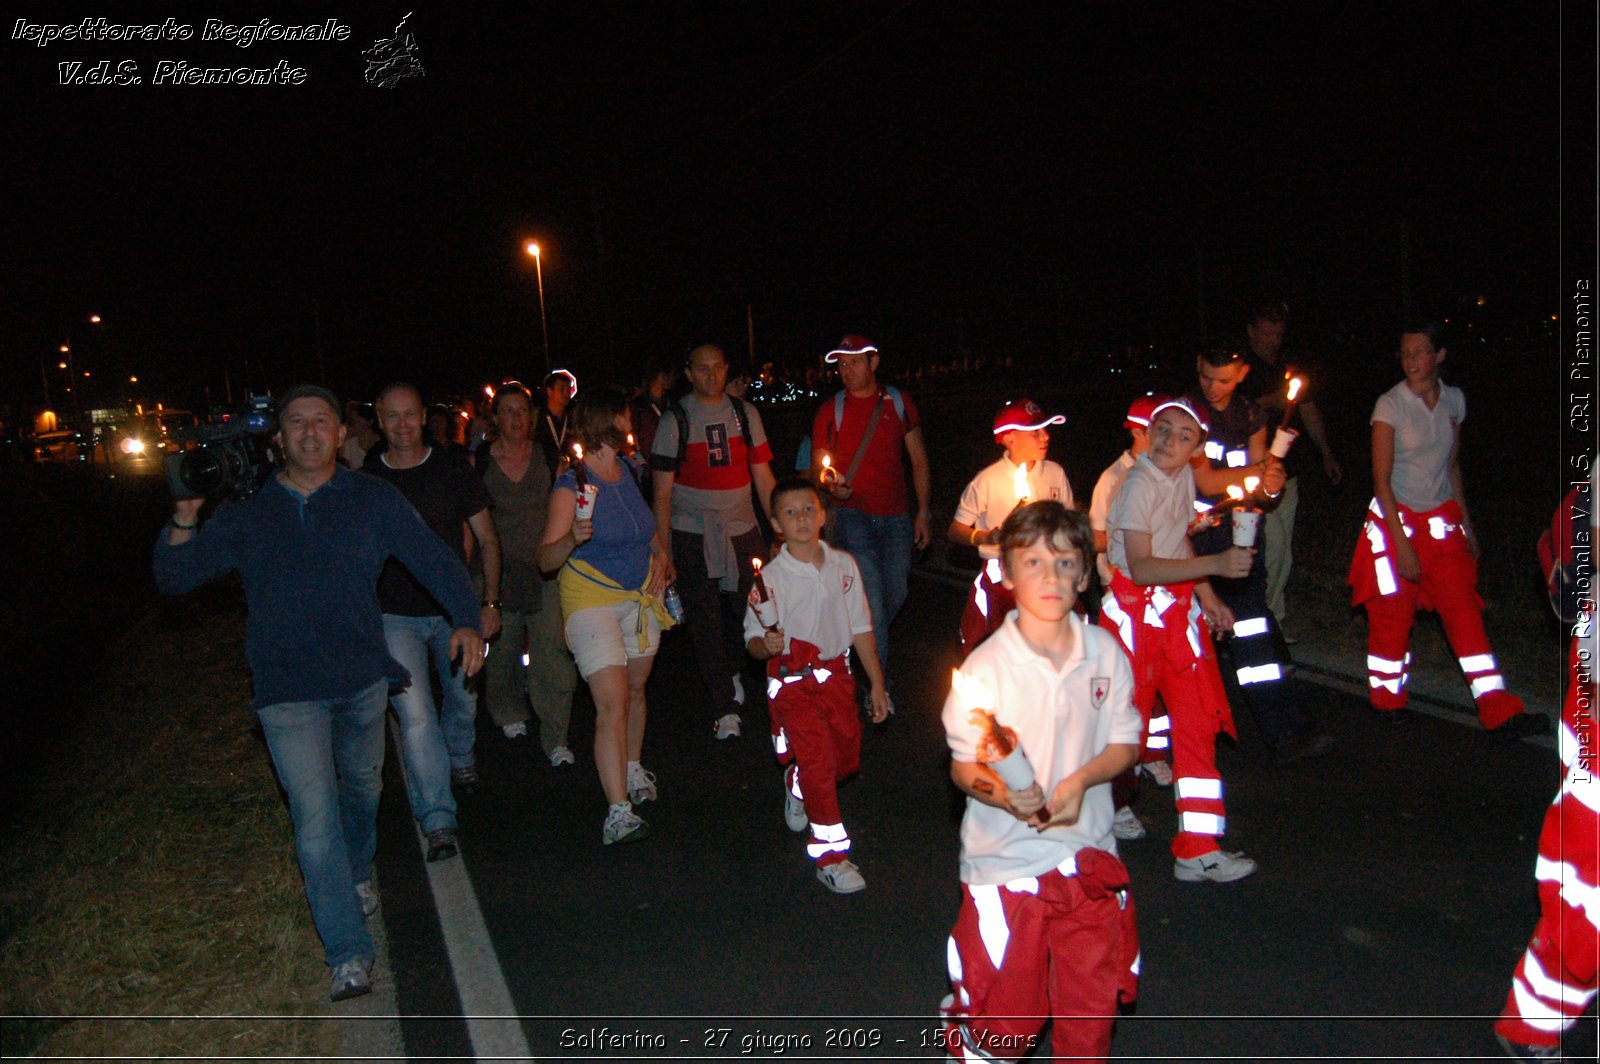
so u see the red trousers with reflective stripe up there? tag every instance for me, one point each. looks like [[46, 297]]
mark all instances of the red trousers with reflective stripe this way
[[1448, 584], [978, 624], [1165, 663], [1065, 956], [823, 726], [1556, 978]]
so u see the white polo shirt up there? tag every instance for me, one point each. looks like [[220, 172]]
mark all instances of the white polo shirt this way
[[992, 495], [1151, 501], [1063, 718], [1423, 441], [1105, 489], [826, 607]]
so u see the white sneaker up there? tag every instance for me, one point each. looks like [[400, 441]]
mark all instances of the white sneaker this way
[[1218, 866], [842, 878], [561, 756], [623, 825], [1160, 772], [1125, 825], [369, 898], [351, 979], [515, 731], [794, 809], [641, 783], [728, 726]]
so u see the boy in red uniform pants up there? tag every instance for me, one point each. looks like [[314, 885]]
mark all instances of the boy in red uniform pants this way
[[1023, 429], [821, 614], [1046, 928], [1163, 609], [1556, 978], [1419, 548]]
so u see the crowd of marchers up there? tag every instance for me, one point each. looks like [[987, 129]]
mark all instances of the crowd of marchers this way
[[554, 534]]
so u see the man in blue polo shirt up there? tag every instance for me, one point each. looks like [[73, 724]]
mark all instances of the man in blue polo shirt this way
[[309, 547]]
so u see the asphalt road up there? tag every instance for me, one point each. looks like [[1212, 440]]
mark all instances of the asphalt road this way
[[1394, 897]]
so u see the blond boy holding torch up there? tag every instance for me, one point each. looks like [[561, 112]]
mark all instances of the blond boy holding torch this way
[[1046, 927]]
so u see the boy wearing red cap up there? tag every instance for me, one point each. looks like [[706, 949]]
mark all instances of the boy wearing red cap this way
[[1105, 489], [1162, 608], [1023, 474]]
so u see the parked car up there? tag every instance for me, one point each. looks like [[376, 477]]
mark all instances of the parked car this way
[[65, 446]]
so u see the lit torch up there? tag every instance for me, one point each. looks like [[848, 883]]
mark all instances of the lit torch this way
[[1246, 519], [827, 474], [588, 494], [1019, 484], [1284, 438], [999, 747], [761, 598]]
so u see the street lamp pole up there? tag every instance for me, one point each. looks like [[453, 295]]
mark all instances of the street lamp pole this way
[[544, 325]]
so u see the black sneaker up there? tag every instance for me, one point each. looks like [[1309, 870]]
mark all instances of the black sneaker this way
[[465, 780], [442, 845], [1519, 1051], [1304, 747], [1521, 726]]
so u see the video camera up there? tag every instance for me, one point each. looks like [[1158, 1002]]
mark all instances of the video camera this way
[[231, 458]]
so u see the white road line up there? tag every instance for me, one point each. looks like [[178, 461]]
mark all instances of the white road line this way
[[486, 1003]]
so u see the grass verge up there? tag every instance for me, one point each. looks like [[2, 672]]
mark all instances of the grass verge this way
[[149, 870]]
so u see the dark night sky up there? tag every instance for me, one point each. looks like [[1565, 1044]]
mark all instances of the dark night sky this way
[[1003, 175]]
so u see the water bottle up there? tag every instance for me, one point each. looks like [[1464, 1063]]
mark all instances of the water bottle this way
[[673, 603]]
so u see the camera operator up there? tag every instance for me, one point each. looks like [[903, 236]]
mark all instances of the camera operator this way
[[309, 547]]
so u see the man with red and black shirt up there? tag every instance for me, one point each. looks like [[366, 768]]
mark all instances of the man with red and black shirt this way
[[708, 450], [862, 430]]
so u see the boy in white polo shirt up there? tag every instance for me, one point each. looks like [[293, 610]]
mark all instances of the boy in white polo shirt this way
[[1163, 609], [1023, 429], [821, 615], [1046, 926]]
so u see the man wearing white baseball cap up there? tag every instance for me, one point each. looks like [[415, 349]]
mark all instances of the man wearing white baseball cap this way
[[861, 432]]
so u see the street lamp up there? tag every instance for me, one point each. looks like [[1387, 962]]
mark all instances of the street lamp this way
[[544, 326]]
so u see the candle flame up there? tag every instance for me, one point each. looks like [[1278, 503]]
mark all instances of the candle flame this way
[[630, 439], [1019, 482], [1295, 384], [827, 461], [1235, 492], [488, 389], [577, 449], [1252, 483], [756, 563], [973, 692]]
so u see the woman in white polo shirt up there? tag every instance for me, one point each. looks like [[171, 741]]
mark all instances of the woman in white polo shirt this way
[[1419, 548]]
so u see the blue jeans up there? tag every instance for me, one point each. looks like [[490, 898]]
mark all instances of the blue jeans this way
[[882, 549], [329, 757], [431, 745]]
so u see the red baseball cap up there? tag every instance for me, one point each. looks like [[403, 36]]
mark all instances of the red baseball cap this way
[[1140, 411], [1024, 414], [851, 344], [1187, 407]]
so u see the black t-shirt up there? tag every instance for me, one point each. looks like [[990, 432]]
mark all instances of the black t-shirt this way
[[1268, 386], [446, 492], [1227, 446]]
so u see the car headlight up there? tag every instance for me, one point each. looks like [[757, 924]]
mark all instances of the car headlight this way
[[132, 445]]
